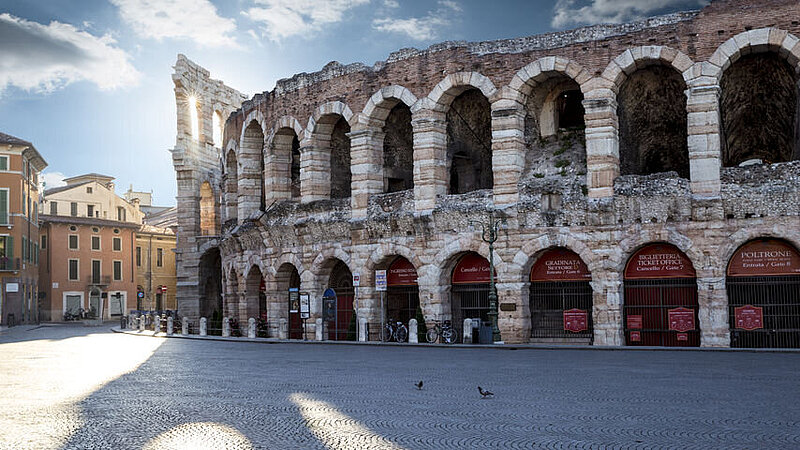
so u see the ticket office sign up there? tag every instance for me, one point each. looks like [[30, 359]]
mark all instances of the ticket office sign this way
[[681, 319], [576, 320], [749, 317]]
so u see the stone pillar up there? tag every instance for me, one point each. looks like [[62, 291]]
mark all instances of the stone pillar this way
[[413, 331], [467, 339], [141, 323], [203, 326], [607, 310], [705, 158], [515, 325], [362, 329], [278, 168], [251, 176], [157, 324], [170, 325], [713, 318], [602, 142], [185, 326], [508, 150], [251, 328], [430, 159], [318, 328], [366, 152], [315, 168], [283, 331], [226, 327]]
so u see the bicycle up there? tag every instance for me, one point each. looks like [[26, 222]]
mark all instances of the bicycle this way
[[399, 332], [443, 330]]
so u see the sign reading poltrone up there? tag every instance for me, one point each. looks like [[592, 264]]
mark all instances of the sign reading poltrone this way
[[576, 320], [681, 319], [659, 261], [764, 257], [749, 317], [560, 264]]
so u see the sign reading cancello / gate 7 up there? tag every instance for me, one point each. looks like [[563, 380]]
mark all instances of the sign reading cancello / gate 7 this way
[[380, 280]]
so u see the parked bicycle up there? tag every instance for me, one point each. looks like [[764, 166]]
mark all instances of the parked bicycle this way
[[398, 332], [442, 331]]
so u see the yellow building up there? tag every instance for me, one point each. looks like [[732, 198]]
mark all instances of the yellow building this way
[[155, 268]]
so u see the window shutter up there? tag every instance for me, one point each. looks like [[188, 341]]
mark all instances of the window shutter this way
[[4, 207], [10, 247]]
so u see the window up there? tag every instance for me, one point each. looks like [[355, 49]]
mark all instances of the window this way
[[89, 210], [24, 197], [35, 212], [117, 270], [95, 242], [95, 230], [24, 248], [88, 190], [3, 162], [159, 257], [3, 206], [73, 228], [120, 213], [73, 209], [95, 271], [35, 253], [53, 208], [44, 241], [7, 252], [117, 244], [73, 241], [73, 269], [138, 256]]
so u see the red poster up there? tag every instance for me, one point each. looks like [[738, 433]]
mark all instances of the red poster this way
[[560, 264], [749, 317], [634, 322], [681, 319], [764, 257], [472, 268], [401, 273], [636, 336], [683, 337], [576, 320], [659, 261]]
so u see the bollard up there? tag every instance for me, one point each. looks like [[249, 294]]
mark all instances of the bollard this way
[[131, 322], [156, 323], [141, 323], [185, 326], [413, 338], [170, 326], [251, 328], [283, 329], [226, 327], [362, 329], [318, 329], [203, 326], [468, 331]]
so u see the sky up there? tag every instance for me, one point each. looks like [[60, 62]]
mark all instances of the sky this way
[[88, 82]]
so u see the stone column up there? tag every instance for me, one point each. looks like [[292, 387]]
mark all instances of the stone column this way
[[508, 150], [185, 326], [226, 327], [203, 326], [607, 310], [467, 338], [251, 328], [703, 132], [251, 176], [413, 331], [366, 153], [430, 159], [713, 318], [315, 168], [515, 326], [602, 142], [277, 168]]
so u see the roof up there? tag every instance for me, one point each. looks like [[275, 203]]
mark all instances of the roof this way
[[9, 139], [29, 152], [47, 218], [56, 190], [89, 177]]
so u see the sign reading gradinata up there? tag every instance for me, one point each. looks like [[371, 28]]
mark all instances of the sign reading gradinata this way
[[472, 268], [659, 261], [401, 273], [764, 257], [560, 264]]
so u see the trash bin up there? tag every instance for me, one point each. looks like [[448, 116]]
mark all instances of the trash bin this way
[[476, 330], [486, 333], [123, 321], [11, 321]]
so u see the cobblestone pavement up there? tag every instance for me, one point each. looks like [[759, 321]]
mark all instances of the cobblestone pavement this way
[[75, 387]]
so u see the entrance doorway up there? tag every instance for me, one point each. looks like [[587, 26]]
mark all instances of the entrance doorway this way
[[402, 292], [288, 284], [95, 304], [470, 290], [661, 298], [342, 321], [763, 287], [560, 298]]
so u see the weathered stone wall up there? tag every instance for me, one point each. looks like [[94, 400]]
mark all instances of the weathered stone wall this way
[[561, 190]]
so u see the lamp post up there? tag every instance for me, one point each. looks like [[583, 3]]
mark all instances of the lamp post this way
[[489, 235]]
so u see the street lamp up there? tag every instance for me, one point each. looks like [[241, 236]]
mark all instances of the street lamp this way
[[489, 235]]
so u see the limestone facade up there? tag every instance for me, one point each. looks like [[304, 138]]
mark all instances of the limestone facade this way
[[551, 187]]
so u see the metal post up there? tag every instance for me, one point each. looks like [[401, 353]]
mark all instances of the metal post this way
[[383, 317], [489, 235]]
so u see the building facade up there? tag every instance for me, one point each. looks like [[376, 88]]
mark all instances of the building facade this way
[[644, 178], [20, 165], [88, 236]]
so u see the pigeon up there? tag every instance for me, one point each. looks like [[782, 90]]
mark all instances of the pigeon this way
[[419, 385], [485, 394]]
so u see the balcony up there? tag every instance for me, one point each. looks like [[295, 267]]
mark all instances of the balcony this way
[[9, 264], [98, 281]]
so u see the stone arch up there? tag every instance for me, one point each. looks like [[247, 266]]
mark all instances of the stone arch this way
[[450, 254], [378, 106], [527, 78], [383, 252], [328, 109], [745, 235], [283, 159], [252, 194], [455, 84], [288, 122], [255, 302], [526, 257], [325, 156], [753, 41], [286, 258], [630, 245], [232, 295], [636, 58], [231, 184], [321, 266]]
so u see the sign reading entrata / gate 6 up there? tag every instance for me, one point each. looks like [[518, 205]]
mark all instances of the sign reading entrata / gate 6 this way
[[576, 320], [560, 264], [749, 317], [681, 319]]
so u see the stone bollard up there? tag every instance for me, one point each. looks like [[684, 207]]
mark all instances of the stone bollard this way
[[362, 329], [170, 326], [203, 326], [156, 324], [318, 329], [251, 328], [141, 323], [185, 326], [226, 327], [283, 329], [413, 338], [468, 331]]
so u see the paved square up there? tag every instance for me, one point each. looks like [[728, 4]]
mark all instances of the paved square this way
[[75, 387]]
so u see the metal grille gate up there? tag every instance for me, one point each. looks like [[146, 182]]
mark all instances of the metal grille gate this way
[[549, 300], [652, 299], [402, 303], [779, 298], [341, 328], [470, 301]]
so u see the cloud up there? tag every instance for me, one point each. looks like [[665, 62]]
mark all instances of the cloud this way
[[196, 20], [49, 180], [391, 4], [613, 11], [283, 18], [43, 58], [421, 28]]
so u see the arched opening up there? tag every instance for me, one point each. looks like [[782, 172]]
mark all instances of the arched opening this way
[[560, 298], [759, 111], [231, 186], [95, 304], [251, 183], [255, 293], [337, 304], [469, 143], [208, 210], [398, 150], [232, 301], [216, 128], [402, 295], [763, 287], [211, 283], [340, 160], [652, 122], [286, 148], [661, 298], [569, 110], [194, 120], [288, 285], [470, 290]]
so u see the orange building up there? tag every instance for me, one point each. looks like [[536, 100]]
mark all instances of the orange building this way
[[20, 164]]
